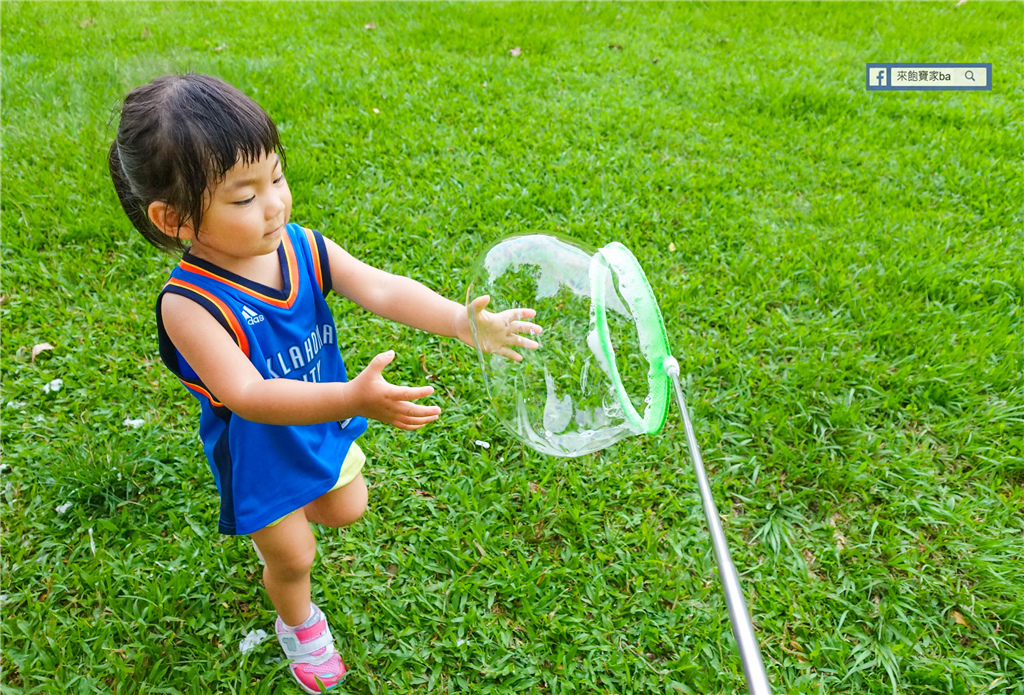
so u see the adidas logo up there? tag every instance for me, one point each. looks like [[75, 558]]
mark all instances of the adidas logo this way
[[251, 316]]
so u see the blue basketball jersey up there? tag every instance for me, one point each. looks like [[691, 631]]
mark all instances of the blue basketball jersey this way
[[264, 472]]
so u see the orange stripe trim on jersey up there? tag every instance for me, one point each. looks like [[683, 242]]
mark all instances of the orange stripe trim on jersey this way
[[200, 389], [229, 316], [316, 258], [293, 278]]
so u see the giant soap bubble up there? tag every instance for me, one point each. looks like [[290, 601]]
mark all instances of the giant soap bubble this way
[[599, 373]]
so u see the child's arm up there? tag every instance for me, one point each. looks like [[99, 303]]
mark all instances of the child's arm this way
[[404, 300], [231, 377]]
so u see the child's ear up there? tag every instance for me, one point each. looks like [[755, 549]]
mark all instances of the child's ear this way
[[166, 220]]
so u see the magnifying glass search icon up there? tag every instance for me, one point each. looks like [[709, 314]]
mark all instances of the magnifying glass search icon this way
[[969, 75]]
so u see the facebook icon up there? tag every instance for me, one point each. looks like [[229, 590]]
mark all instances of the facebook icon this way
[[877, 77]]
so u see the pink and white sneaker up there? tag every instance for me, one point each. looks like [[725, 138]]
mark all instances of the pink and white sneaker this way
[[315, 662]]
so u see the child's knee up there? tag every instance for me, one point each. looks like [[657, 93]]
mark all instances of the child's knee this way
[[295, 562], [341, 507], [346, 514]]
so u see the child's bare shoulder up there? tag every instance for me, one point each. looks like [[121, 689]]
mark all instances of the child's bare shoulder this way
[[182, 315], [174, 305]]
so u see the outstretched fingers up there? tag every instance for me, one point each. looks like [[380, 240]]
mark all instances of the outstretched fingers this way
[[410, 393], [410, 416], [511, 354], [525, 327], [519, 314], [413, 423], [522, 341], [479, 303], [415, 410]]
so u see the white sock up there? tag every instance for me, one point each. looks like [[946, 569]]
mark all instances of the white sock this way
[[313, 617]]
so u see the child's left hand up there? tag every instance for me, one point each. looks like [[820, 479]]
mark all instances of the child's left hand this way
[[496, 332]]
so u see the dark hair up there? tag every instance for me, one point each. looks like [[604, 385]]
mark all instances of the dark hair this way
[[178, 136]]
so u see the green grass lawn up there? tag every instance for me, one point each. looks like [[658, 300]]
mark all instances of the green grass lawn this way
[[841, 277]]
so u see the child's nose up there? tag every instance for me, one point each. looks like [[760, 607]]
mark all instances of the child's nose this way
[[275, 207]]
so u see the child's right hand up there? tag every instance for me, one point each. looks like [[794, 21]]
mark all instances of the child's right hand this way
[[389, 403]]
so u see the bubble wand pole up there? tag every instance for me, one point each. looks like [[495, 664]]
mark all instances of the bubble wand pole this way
[[742, 628]]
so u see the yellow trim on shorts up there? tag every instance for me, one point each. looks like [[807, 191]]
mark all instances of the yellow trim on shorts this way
[[350, 468]]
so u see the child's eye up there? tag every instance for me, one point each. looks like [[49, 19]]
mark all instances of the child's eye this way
[[279, 179], [245, 202]]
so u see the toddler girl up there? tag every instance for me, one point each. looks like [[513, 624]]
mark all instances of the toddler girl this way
[[244, 324]]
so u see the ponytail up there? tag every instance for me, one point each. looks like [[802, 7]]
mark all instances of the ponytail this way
[[134, 207]]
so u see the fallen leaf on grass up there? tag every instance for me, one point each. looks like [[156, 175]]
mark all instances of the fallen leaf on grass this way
[[959, 619], [423, 365], [36, 349], [839, 538], [811, 561], [671, 247], [88, 22], [370, 26], [796, 650]]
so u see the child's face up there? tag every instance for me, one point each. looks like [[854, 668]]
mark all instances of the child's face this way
[[247, 212]]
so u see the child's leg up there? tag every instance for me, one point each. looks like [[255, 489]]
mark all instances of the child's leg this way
[[288, 549], [339, 507]]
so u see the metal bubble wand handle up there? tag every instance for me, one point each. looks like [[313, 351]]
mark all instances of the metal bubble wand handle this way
[[742, 628]]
